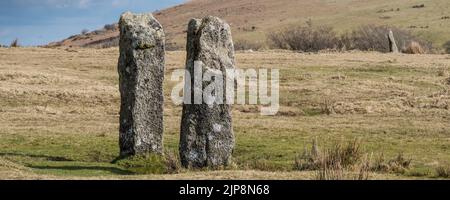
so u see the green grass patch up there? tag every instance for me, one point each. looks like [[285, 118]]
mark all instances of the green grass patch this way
[[145, 164]]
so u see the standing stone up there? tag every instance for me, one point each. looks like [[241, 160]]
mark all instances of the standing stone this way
[[207, 138], [392, 44], [141, 74]]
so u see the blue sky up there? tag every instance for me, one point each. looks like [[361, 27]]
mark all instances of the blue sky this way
[[37, 22]]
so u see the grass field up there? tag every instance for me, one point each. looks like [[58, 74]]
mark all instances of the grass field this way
[[59, 113]]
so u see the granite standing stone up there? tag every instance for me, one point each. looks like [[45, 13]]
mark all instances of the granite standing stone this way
[[141, 74], [392, 44], [207, 138]]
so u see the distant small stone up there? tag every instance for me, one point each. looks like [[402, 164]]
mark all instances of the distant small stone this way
[[392, 44]]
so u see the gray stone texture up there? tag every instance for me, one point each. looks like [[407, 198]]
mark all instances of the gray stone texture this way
[[141, 74], [207, 138]]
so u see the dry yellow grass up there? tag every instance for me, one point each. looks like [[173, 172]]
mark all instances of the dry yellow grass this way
[[59, 112]]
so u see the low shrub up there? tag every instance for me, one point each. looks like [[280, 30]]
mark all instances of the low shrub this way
[[414, 48], [399, 164], [335, 172], [341, 161], [364, 38], [443, 172], [15, 43], [105, 43], [98, 32], [310, 159], [374, 38], [447, 47], [111, 27], [247, 45], [327, 105], [304, 38], [342, 155], [347, 161]]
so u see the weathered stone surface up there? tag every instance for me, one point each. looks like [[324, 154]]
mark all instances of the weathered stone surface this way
[[207, 138], [392, 44], [141, 74]]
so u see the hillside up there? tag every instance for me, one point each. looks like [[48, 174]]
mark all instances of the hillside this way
[[251, 20]]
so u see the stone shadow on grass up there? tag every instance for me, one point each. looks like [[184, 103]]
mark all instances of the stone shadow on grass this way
[[61, 160], [46, 157], [113, 170]]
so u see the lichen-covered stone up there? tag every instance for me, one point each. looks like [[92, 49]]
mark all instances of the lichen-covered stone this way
[[141, 74], [207, 138]]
